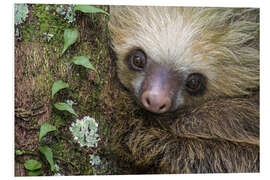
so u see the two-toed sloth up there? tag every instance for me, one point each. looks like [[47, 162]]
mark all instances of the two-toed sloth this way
[[196, 72]]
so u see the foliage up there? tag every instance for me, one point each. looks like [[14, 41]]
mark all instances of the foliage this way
[[65, 107], [60, 10], [57, 86], [89, 9], [44, 129], [70, 37], [32, 165], [85, 131], [34, 173], [84, 61], [47, 152], [18, 152]]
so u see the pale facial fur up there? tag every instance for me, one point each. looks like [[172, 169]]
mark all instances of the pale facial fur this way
[[203, 40]]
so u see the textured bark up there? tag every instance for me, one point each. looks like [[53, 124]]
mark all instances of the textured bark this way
[[38, 64]]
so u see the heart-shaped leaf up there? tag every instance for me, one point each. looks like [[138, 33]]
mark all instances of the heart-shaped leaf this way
[[57, 86], [47, 152], [44, 129], [19, 152], [33, 173], [83, 61], [32, 165], [70, 37], [65, 107], [89, 9]]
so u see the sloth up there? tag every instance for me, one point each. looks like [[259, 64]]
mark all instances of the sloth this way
[[192, 81]]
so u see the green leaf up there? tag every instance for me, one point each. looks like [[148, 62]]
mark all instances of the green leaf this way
[[70, 37], [65, 107], [18, 152], [83, 61], [89, 9], [47, 152], [57, 86], [44, 129], [33, 173], [32, 165]]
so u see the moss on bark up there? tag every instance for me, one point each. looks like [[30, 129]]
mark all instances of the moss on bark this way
[[38, 63]]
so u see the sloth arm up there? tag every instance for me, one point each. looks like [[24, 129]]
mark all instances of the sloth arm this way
[[235, 120], [219, 136]]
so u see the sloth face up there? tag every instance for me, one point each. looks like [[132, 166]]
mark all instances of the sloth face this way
[[158, 87], [177, 57]]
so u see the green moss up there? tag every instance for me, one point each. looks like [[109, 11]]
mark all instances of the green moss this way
[[70, 160], [43, 20], [42, 64], [58, 120], [44, 28]]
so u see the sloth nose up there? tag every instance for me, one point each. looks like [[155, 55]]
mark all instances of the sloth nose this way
[[156, 102]]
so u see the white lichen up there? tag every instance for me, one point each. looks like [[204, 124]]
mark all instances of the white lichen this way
[[68, 13], [57, 168], [21, 11], [95, 160], [48, 36], [20, 15], [84, 131], [58, 174]]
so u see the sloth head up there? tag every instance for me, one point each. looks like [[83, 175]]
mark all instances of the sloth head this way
[[171, 58]]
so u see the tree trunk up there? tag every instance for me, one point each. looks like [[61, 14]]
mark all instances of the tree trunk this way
[[38, 64]]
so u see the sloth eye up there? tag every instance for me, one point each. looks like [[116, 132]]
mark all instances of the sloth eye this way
[[195, 83], [137, 60]]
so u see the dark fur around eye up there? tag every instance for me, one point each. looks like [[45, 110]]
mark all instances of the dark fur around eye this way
[[195, 84], [136, 60]]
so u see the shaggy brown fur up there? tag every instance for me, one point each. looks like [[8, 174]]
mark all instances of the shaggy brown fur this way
[[215, 132]]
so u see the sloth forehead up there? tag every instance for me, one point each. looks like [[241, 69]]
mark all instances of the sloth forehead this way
[[168, 45], [171, 43], [169, 40]]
